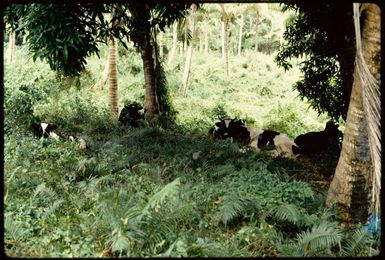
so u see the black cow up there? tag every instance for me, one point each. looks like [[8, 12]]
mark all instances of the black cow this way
[[130, 116], [320, 142]]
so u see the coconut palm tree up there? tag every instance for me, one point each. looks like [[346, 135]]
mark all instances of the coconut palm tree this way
[[11, 46], [358, 173], [174, 43], [186, 72], [113, 78]]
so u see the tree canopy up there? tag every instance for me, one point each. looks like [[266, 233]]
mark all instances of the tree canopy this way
[[323, 34]]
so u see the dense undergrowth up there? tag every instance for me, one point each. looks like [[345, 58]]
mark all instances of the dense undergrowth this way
[[162, 191]]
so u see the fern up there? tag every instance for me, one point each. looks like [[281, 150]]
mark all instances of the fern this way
[[286, 212], [13, 230], [358, 244], [320, 238], [234, 205], [170, 190], [52, 209]]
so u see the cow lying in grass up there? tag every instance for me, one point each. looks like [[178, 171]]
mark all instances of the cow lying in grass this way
[[256, 139], [320, 142], [45, 130], [130, 115]]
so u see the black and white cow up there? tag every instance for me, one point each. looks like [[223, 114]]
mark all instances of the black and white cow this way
[[320, 142], [130, 115], [45, 130], [276, 143], [256, 139], [233, 129]]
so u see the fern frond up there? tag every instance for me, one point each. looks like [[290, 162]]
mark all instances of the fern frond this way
[[55, 206], [286, 212], [231, 207], [357, 244], [169, 191], [43, 189], [120, 243], [12, 230], [321, 237]]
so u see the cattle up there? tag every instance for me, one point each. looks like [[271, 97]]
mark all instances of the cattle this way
[[45, 130], [230, 129], [320, 142], [130, 115], [276, 144], [256, 139]]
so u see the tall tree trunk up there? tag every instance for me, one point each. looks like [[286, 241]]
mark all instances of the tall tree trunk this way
[[186, 72], [206, 39], [151, 107], [161, 45], [256, 31], [113, 82], [185, 36], [174, 43], [104, 76], [11, 46], [223, 38], [240, 36], [226, 47], [350, 189]]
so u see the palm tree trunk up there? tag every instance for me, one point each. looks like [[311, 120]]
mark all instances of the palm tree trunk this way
[[186, 72], [256, 31], [113, 82], [350, 189], [206, 39], [240, 36], [103, 77], [223, 39], [161, 45], [174, 43], [226, 46], [11, 46]]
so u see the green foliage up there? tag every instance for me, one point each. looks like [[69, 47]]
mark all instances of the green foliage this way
[[328, 65], [286, 120], [63, 35], [18, 106]]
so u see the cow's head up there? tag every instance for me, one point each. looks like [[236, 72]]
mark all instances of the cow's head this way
[[331, 130]]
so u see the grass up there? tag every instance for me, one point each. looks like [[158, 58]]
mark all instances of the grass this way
[[160, 192]]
